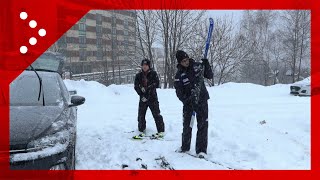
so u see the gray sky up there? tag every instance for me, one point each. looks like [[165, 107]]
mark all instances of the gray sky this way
[[235, 14]]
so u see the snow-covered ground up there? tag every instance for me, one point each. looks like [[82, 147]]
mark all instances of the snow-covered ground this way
[[250, 127]]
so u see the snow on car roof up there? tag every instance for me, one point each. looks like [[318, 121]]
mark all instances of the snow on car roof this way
[[304, 81]]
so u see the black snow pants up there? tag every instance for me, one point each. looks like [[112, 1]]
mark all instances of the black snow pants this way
[[155, 110], [202, 125]]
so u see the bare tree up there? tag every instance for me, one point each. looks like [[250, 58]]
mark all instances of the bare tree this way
[[276, 55], [176, 28], [164, 20], [257, 27], [196, 44], [278, 43], [104, 64], [296, 39], [225, 53], [305, 40], [146, 26]]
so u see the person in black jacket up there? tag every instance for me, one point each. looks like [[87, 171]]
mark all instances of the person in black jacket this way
[[192, 92], [145, 85]]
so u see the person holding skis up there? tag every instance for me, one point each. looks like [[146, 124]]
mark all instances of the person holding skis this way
[[145, 84], [192, 92]]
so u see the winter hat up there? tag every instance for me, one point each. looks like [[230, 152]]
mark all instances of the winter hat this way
[[145, 61], [180, 55]]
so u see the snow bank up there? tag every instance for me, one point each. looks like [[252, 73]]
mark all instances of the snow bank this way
[[250, 126]]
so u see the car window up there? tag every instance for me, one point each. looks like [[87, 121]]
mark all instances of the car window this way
[[64, 90], [24, 91], [48, 61]]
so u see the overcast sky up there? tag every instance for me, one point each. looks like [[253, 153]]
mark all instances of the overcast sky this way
[[235, 14]]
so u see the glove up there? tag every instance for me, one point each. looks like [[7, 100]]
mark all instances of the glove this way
[[143, 90], [205, 61], [143, 99]]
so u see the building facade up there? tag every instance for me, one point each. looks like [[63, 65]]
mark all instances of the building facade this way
[[102, 42]]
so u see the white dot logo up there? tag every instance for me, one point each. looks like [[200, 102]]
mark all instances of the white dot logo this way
[[23, 15], [42, 32], [33, 41], [33, 24], [23, 49]]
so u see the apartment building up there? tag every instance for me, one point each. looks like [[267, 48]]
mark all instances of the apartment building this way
[[101, 41]]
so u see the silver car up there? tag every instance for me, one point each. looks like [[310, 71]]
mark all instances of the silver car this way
[[43, 119], [301, 88]]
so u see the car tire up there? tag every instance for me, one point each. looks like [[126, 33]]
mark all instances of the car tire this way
[[71, 159]]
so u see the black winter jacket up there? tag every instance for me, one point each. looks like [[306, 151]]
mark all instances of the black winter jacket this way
[[185, 80], [152, 82]]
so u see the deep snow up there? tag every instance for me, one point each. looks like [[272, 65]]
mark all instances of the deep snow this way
[[238, 136]]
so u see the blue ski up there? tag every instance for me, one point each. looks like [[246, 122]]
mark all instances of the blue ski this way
[[205, 57]]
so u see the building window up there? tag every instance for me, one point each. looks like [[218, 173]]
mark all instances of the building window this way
[[68, 53], [99, 54], [83, 54], [99, 18], [82, 33], [82, 40], [125, 23], [114, 44], [114, 20], [76, 69], [99, 30], [126, 33], [114, 56], [126, 42], [82, 27], [87, 69], [114, 30], [99, 42], [126, 39]]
